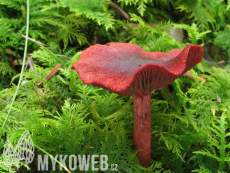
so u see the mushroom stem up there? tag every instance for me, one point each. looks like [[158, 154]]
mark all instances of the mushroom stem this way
[[142, 127]]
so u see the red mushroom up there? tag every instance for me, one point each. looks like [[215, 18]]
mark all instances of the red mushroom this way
[[127, 69]]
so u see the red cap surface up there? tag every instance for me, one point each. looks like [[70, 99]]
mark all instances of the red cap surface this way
[[126, 69]]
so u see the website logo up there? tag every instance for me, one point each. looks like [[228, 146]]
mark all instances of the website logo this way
[[24, 150]]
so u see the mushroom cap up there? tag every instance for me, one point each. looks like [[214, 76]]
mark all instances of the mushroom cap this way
[[126, 69]]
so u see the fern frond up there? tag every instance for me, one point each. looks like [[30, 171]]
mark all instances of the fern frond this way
[[219, 128], [70, 34], [172, 143], [222, 41], [141, 4], [203, 18], [202, 170], [91, 9], [40, 21], [49, 59], [70, 52], [6, 68], [202, 11], [11, 22], [15, 5], [193, 32], [138, 19], [3, 12]]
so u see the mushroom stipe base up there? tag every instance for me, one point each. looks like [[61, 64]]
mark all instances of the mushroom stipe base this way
[[142, 127]]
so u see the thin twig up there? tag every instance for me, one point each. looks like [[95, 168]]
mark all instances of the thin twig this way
[[42, 45], [191, 76], [9, 51], [39, 43], [12, 62], [50, 74], [119, 9], [30, 62], [63, 56]]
